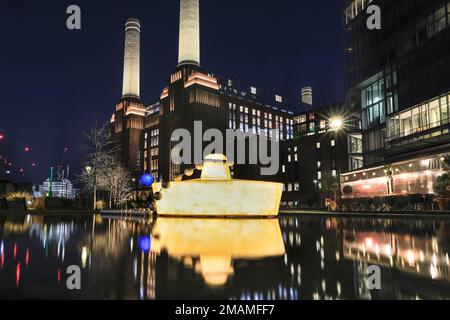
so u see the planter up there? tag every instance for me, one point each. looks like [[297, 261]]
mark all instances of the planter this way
[[444, 203]]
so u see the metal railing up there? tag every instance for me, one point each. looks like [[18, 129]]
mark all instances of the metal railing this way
[[393, 139]]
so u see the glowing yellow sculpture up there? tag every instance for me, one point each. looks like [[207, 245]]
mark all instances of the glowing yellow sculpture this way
[[217, 242], [217, 194]]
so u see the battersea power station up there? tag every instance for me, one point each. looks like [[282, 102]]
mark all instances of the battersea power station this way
[[308, 144]]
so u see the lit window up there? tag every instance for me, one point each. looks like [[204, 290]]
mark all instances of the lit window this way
[[319, 164], [333, 143], [319, 175], [318, 145], [253, 90], [283, 169], [295, 157], [278, 98], [333, 173], [289, 158], [323, 124]]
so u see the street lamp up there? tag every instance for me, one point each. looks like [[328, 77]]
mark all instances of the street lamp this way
[[89, 170], [336, 124]]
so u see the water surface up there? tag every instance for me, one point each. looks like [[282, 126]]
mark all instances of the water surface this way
[[290, 258]]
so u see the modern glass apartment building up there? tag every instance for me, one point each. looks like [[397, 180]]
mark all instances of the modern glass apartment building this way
[[399, 77]]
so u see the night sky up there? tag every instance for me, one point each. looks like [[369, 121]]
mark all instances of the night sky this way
[[55, 83]]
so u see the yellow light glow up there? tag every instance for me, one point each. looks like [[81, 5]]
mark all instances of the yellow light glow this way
[[217, 242], [336, 123], [217, 194], [84, 256]]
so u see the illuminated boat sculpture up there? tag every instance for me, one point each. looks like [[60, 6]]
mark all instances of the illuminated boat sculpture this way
[[216, 194], [212, 246]]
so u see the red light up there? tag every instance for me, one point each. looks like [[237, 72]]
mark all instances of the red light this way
[[33, 164], [27, 258], [18, 275], [2, 137], [27, 149], [21, 170], [15, 251]]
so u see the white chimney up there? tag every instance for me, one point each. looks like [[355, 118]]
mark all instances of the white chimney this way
[[131, 68], [307, 95], [189, 46]]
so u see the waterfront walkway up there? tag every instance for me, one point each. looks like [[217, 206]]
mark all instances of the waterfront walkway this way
[[382, 215]]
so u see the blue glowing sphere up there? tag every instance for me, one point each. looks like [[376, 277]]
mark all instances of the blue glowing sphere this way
[[147, 180], [145, 244]]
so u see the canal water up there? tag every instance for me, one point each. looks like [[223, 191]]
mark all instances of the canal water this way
[[291, 258]]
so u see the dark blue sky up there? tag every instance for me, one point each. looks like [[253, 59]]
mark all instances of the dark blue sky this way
[[54, 83]]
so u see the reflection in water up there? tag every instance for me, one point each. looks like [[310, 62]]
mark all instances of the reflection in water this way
[[417, 255], [289, 258], [209, 246]]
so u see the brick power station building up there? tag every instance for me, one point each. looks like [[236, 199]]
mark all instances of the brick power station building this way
[[308, 146]]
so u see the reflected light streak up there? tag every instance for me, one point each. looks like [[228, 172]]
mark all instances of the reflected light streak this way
[[27, 257], [18, 275]]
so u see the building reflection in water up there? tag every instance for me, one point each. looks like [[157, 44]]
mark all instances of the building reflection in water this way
[[290, 258], [412, 258]]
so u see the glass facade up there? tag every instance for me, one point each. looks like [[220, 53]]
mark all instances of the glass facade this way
[[379, 99], [416, 176], [354, 8], [431, 114]]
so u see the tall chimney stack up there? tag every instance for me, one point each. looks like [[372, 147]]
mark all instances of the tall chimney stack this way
[[189, 46], [131, 68], [307, 95]]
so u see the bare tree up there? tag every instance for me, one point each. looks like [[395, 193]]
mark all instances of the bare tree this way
[[98, 151], [114, 179], [122, 188]]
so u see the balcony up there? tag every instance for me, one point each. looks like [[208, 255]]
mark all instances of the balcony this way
[[432, 134]]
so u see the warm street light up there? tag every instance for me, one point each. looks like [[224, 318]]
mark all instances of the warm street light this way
[[336, 124], [89, 170]]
